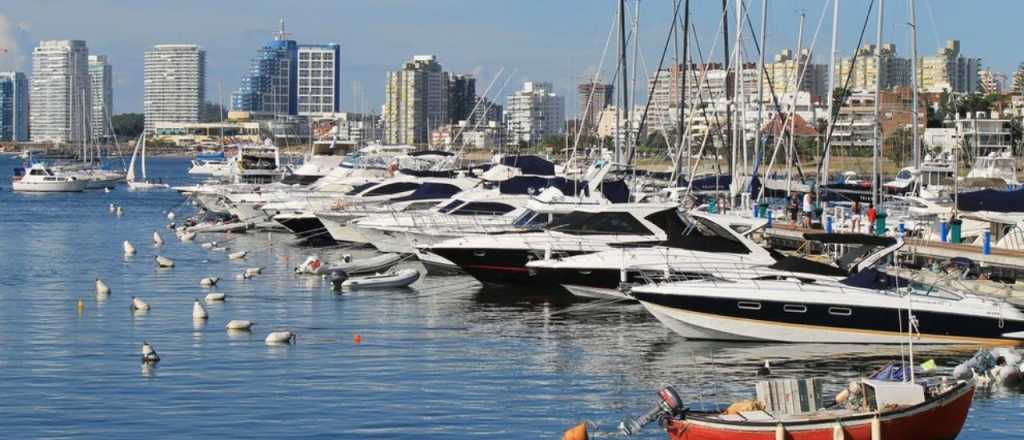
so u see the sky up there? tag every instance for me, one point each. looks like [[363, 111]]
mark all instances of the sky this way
[[561, 41]]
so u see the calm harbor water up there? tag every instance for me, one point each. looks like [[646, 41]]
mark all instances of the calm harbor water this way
[[446, 358]]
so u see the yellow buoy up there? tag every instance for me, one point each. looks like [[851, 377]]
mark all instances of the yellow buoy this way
[[81, 306], [780, 432], [876, 428], [578, 432]]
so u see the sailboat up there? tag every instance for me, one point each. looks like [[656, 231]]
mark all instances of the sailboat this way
[[133, 183]]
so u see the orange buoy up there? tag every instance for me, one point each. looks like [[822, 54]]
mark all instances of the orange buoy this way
[[357, 339], [578, 432]]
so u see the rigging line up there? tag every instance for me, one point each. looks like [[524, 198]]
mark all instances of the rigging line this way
[[661, 62], [590, 97], [846, 84], [799, 79]]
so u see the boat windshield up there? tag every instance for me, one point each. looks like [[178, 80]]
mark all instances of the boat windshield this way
[[600, 223]]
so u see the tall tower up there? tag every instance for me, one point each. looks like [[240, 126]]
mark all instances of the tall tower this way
[[271, 86], [102, 97], [60, 97], [175, 78], [416, 101]]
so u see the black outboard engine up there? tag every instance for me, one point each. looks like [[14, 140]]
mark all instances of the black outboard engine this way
[[670, 405], [337, 276]]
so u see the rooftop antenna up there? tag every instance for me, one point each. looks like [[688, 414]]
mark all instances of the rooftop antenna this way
[[281, 35]]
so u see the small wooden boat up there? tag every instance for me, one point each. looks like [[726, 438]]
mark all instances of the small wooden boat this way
[[393, 279], [366, 265], [890, 410]]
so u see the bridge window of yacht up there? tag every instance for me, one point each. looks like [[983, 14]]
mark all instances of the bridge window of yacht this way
[[530, 218], [483, 208], [37, 172], [449, 207], [392, 188], [601, 223]]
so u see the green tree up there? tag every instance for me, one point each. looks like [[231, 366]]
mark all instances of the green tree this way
[[839, 96], [129, 125]]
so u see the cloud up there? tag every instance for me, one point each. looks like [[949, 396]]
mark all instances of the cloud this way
[[15, 45]]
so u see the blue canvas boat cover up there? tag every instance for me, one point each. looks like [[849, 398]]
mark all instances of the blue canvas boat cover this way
[[529, 164], [991, 200]]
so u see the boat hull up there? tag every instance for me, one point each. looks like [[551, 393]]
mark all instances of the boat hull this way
[[496, 266], [941, 418], [706, 317], [58, 186]]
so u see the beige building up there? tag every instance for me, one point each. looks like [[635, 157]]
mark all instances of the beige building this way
[[949, 70], [783, 72], [895, 71], [416, 101]]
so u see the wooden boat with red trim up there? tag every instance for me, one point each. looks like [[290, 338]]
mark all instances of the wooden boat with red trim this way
[[939, 414]]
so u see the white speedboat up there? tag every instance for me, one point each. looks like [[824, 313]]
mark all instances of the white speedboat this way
[[391, 279], [210, 164], [752, 306], [39, 178]]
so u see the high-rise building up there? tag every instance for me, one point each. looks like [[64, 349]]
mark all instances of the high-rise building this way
[[533, 112], [319, 77], [991, 82], [1017, 84], [416, 101], [784, 73], [895, 71], [461, 97], [175, 84], [715, 83], [485, 111], [102, 96], [60, 95], [271, 85], [592, 97], [949, 70], [13, 107]]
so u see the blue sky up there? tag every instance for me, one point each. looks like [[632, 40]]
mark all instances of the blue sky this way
[[547, 40]]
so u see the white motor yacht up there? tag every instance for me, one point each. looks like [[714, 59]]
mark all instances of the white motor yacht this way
[[39, 178]]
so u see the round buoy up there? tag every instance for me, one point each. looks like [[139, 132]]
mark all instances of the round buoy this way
[[578, 432], [357, 339]]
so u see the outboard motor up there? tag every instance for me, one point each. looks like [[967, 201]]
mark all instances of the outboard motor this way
[[337, 276], [670, 405]]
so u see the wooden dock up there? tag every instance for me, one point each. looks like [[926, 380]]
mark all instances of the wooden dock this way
[[792, 236]]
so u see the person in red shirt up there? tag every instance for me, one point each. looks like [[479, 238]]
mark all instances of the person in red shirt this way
[[872, 214]]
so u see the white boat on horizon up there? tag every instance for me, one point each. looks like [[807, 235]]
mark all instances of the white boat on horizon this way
[[143, 184]]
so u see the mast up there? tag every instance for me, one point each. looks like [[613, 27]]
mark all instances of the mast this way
[[875, 179], [760, 85], [625, 81], [739, 136], [725, 61], [913, 83], [682, 91], [792, 111], [143, 156], [823, 178]]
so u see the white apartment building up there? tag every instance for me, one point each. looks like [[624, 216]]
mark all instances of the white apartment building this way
[[319, 78], [60, 92], [533, 112], [175, 84], [102, 96]]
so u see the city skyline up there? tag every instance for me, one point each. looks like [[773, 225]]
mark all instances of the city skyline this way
[[534, 41]]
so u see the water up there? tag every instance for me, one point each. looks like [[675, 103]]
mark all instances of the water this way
[[445, 359]]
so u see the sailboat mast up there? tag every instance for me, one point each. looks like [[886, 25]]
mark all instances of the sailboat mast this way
[[875, 166], [682, 91], [625, 80], [739, 103], [760, 84], [725, 62], [913, 84], [823, 178], [791, 154]]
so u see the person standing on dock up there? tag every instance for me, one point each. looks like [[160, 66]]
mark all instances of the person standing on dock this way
[[872, 214], [855, 218], [808, 209]]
